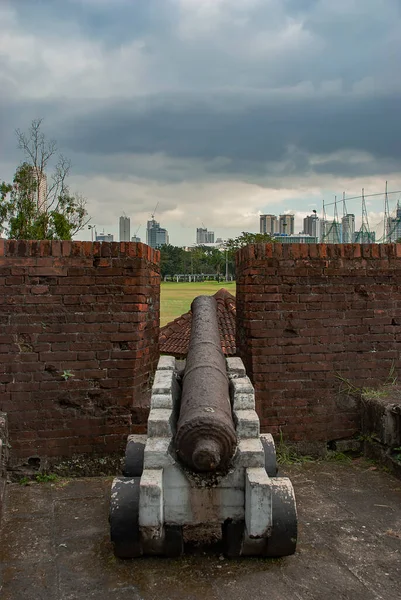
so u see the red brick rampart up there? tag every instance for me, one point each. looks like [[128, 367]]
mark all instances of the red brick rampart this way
[[79, 326], [309, 315]]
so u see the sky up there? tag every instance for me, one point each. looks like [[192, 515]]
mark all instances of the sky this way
[[217, 111]]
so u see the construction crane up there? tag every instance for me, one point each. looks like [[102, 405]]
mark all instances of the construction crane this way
[[154, 212]]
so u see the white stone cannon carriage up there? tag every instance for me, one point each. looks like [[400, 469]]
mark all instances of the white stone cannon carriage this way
[[160, 502]]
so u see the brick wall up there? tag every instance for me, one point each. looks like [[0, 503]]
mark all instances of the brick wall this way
[[307, 314], [79, 325]]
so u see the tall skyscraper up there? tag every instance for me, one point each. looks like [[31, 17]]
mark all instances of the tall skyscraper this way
[[124, 229], [331, 232], [41, 190], [39, 194], [268, 224], [286, 224], [203, 236], [156, 236], [312, 225], [393, 226], [348, 228]]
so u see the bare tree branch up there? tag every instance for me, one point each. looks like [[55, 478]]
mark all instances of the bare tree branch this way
[[58, 187], [35, 207]]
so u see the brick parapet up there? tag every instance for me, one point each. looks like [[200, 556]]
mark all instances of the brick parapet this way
[[309, 315], [79, 325]]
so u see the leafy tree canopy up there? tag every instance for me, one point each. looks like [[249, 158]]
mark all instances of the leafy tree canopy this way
[[38, 205], [246, 238]]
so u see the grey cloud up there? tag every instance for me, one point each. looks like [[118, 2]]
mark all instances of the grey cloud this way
[[260, 132], [246, 113]]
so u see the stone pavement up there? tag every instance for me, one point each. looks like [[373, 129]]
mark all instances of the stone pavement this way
[[54, 545]]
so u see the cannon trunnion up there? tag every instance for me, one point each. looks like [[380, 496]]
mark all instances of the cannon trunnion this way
[[203, 466]]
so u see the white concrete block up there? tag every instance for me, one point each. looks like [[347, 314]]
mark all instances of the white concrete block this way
[[242, 385], [157, 454], [258, 503], [174, 477], [202, 505], [234, 478], [231, 503], [248, 425], [151, 499], [160, 422], [163, 382], [177, 496], [161, 401], [235, 367], [244, 401], [166, 363], [250, 453]]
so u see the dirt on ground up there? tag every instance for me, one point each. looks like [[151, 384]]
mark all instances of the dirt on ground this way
[[54, 545]]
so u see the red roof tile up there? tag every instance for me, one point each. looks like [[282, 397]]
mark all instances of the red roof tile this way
[[174, 337]]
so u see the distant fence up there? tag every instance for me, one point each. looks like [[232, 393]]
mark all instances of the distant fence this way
[[191, 277]]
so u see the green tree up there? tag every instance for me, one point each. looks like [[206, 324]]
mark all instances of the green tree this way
[[218, 261], [246, 238], [35, 206], [172, 260]]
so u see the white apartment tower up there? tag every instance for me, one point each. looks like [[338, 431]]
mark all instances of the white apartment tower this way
[[286, 224], [312, 226], [393, 226], [268, 224], [41, 189], [203, 236], [348, 228]]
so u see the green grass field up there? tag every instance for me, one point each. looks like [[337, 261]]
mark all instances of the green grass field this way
[[176, 298]]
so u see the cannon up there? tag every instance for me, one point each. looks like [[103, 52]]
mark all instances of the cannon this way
[[205, 437], [204, 471]]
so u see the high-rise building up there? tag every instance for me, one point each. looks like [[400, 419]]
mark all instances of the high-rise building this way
[[41, 190], [135, 238], [39, 195], [156, 236], [268, 224], [393, 226], [312, 226], [124, 229], [331, 232], [203, 236], [104, 237], [286, 224], [348, 228]]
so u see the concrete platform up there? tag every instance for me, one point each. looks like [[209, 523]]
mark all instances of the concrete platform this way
[[54, 545]]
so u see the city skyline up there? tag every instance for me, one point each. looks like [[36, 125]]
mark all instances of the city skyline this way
[[343, 231]]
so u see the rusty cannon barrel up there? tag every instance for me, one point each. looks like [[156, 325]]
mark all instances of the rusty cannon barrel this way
[[205, 439]]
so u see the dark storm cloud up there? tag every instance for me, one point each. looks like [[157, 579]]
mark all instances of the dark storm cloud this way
[[113, 23], [251, 89], [257, 133]]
